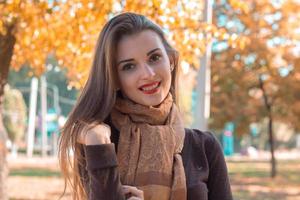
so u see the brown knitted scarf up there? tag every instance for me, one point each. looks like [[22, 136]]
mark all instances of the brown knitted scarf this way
[[151, 139]]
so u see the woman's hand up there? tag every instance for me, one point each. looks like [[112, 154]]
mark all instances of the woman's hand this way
[[133, 192], [94, 134]]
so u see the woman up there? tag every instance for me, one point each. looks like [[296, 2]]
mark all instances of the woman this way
[[126, 131]]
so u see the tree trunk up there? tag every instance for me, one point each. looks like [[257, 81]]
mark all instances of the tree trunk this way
[[271, 142], [3, 162], [7, 43], [268, 105]]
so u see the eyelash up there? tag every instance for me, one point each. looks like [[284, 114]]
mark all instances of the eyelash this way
[[155, 55], [128, 66]]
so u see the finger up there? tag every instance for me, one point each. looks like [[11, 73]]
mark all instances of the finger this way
[[134, 198], [127, 189], [133, 190]]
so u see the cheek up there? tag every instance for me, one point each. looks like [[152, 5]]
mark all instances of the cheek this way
[[126, 82], [169, 82], [168, 77], [165, 67], [166, 73]]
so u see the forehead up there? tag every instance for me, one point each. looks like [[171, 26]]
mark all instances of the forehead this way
[[138, 44]]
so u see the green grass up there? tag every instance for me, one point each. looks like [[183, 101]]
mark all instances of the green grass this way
[[251, 180], [35, 172]]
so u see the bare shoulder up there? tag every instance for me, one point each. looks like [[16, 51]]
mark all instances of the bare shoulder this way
[[102, 129], [94, 134]]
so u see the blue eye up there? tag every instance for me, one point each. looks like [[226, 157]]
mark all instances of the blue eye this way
[[128, 66], [155, 57]]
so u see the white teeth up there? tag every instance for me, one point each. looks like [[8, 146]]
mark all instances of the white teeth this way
[[150, 87]]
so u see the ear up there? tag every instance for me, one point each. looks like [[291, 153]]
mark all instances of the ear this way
[[117, 85], [171, 65], [170, 61]]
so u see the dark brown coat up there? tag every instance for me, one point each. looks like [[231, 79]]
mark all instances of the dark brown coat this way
[[204, 164]]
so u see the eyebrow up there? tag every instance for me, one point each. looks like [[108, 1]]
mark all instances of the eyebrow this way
[[131, 59]]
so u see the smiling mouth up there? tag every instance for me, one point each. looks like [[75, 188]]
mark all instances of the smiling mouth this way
[[150, 88]]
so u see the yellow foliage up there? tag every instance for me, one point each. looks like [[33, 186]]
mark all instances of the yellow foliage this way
[[69, 29], [240, 5]]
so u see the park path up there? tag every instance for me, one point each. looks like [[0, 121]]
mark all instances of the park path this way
[[243, 186], [31, 187]]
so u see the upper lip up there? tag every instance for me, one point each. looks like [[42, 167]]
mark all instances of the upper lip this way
[[149, 84]]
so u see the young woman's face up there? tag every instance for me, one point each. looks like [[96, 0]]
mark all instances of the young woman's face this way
[[143, 68]]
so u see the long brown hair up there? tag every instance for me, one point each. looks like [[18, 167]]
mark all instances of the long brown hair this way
[[99, 93]]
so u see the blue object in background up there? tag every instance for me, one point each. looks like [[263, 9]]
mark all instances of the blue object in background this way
[[253, 130], [228, 139], [52, 123]]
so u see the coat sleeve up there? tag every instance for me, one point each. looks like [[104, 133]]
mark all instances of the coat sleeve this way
[[218, 181], [101, 176]]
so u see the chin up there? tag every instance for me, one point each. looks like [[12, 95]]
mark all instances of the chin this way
[[149, 100], [153, 103]]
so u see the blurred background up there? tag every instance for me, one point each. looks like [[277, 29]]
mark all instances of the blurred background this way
[[239, 77]]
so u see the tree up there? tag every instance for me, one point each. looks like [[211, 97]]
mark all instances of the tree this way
[[251, 79], [14, 117]]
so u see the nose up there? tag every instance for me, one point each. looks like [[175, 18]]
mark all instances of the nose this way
[[147, 71]]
